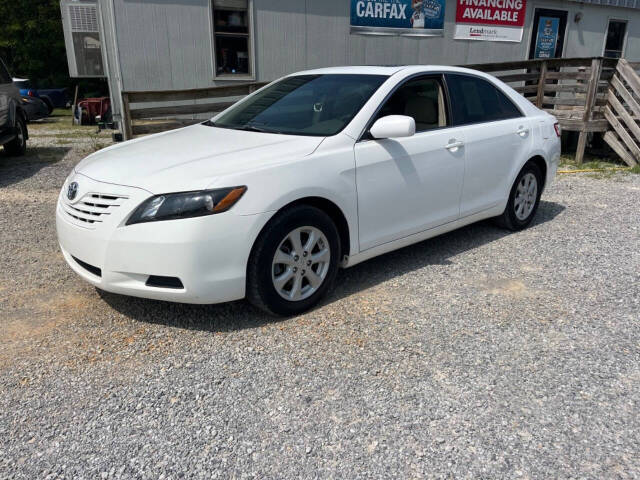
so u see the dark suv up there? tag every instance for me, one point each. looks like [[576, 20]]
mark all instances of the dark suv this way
[[13, 121]]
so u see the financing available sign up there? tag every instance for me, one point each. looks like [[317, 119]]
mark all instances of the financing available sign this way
[[398, 17], [493, 20]]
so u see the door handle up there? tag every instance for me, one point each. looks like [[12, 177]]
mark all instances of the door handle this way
[[522, 131], [454, 145]]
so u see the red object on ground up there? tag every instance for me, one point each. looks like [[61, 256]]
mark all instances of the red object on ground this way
[[91, 107]]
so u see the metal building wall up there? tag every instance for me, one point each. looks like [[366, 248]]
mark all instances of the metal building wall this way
[[167, 44]]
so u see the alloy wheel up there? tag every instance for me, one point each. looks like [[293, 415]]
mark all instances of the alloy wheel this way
[[526, 195], [301, 263]]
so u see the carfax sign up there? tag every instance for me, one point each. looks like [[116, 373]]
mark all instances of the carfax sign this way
[[494, 20], [398, 17]]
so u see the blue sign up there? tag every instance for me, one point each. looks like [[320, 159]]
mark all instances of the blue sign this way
[[547, 38], [399, 17]]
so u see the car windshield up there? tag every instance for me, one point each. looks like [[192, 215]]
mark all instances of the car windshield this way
[[316, 105]]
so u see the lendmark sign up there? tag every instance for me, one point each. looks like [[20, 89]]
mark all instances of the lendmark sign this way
[[494, 20]]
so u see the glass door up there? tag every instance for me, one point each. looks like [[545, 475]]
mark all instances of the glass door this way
[[547, 39]]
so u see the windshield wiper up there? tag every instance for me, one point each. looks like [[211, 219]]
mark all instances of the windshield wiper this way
[[253, 128], [247, 127]]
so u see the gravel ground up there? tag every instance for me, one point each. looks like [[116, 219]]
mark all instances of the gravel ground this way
[[479, 354]]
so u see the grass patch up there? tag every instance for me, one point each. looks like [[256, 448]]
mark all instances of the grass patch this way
[[611, 166], [61, 112], [568, 162]]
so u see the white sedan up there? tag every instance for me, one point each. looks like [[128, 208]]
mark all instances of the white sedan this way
[[318, 170]]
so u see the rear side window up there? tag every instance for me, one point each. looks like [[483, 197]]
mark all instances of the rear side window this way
[[4, 74], [475, 100]]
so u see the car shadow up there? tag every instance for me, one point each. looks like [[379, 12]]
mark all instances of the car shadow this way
[[16, 169], [240, 315]]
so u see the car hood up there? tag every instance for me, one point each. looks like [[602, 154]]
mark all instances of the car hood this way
[[191, 158]]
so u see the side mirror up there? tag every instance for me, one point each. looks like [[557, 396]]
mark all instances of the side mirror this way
[[393, 126]]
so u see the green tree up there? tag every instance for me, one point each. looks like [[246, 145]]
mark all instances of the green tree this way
[[32, 42]]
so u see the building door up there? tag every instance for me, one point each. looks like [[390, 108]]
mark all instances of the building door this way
[[614, 41], [547, 39]]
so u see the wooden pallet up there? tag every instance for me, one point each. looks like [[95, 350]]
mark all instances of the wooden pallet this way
[[622, 112]]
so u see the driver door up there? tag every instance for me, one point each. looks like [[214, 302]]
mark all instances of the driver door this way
[[409, 185]]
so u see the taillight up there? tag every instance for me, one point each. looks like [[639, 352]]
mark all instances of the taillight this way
[[556, 127], [30, 93]]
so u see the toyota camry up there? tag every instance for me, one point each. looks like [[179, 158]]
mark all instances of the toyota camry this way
[[316, 171]]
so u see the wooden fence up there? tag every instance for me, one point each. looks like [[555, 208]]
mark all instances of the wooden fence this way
[[577, 91], [622, 113], [166, 117]]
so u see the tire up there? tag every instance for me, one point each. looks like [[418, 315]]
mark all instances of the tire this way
[[266, 288], [18, 146], [49, 104], [523, 202]]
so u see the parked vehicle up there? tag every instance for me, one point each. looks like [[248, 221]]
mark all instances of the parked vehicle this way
[[13, 119], [53, 97], [34, 108], [318, 170]]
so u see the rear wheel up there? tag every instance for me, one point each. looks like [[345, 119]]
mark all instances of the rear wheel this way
[[18, 146], [523, 199], [294, 261]]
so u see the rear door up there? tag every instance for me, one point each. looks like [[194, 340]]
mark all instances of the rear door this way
[[408, 185], [497, 135]]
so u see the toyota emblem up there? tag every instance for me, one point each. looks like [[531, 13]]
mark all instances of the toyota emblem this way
[[72, 191]]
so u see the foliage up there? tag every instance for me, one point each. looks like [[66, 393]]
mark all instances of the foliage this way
[[32, 44]]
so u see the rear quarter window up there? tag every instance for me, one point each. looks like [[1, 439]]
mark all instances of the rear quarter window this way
[[475, 100]]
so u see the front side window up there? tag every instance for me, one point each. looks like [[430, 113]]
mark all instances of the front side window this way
[[475, 100], [232, 37], [614, 43], [4, 74], [420, 98], [317, 105]]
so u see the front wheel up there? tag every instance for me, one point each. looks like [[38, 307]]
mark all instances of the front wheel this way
[[18, 146], [523, 199], [294, 261]]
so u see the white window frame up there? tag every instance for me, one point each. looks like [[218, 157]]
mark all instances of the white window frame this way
[[626, 34], [251, 44]]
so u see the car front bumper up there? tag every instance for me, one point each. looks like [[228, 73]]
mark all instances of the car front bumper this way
[[208, 254]]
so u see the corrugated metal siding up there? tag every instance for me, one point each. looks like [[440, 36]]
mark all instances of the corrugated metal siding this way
[[612, 3], [166, 44]]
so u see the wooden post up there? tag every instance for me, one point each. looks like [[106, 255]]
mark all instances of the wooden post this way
[[541, 83], [590, 101], [127, 129], [73, 107]]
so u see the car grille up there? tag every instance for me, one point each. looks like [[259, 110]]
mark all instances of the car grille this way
[[93, 208]]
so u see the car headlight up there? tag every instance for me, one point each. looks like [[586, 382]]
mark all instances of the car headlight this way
[[172, 206]]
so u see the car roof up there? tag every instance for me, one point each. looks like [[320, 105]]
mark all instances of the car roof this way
[[386, 70]]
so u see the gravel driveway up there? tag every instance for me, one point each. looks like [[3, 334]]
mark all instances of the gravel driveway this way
[[478, 354]]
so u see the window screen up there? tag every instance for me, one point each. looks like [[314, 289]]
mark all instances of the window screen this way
[[420, 98], [86, 40], [474, 100]]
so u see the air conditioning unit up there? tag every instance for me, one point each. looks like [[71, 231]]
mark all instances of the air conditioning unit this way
[[82, 38]]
